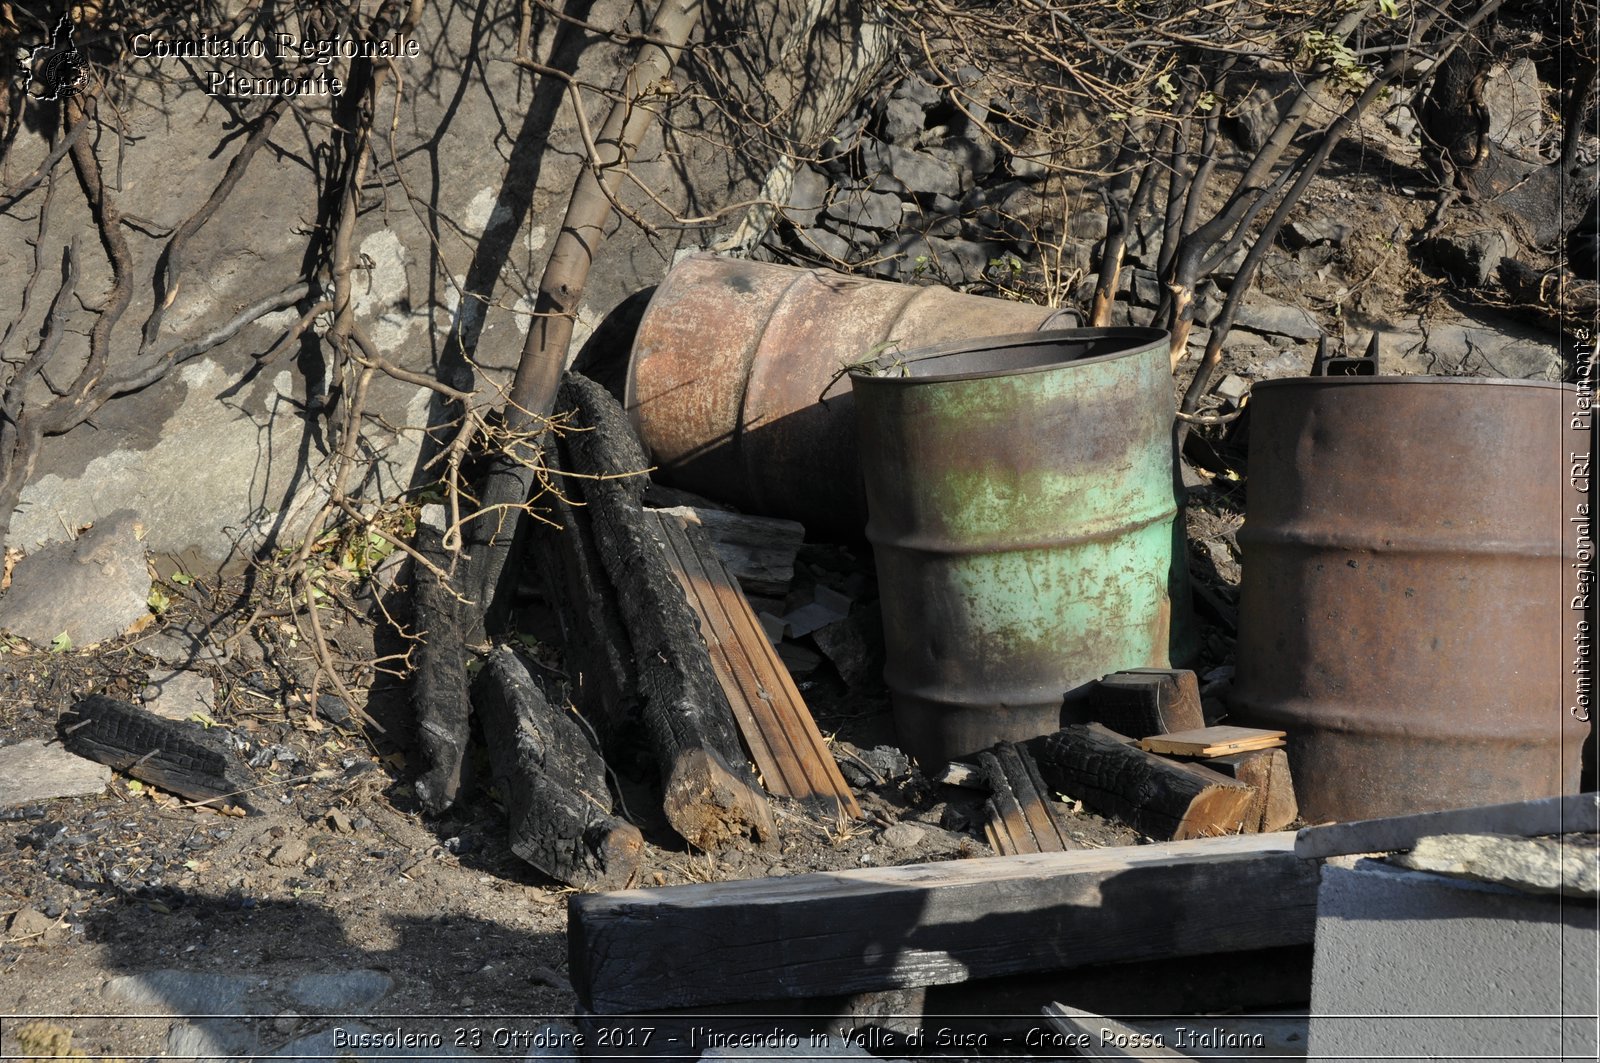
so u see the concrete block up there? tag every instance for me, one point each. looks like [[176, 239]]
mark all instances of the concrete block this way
[[1412, 964]]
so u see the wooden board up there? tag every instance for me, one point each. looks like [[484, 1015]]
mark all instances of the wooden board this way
[[1526, 819], [758, 551], [778, 730], [1216, 741], [935, 924], [1022, 818]]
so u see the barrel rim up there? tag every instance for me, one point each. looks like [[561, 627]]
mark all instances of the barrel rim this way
[[1140, 341], [1370, 381]]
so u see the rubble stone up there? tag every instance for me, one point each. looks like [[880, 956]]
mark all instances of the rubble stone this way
[[31, 771], [91, 589], [1564, 865]]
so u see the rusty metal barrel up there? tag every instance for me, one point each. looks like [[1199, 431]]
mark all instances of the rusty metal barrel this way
[[1404, 613], [1022, 503], [737, 382]]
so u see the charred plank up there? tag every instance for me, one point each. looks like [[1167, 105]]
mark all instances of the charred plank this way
[[935, 924]]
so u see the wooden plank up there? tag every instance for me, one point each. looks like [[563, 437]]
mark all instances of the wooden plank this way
[[1214, 741], [1148, 701], [1024, 817], [1266, 771], [935, 924], [778, 729], [1158, 797], [758, 551], [1523, 819], [1097, 1037]]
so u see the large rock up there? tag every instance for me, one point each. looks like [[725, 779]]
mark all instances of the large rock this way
[[1265, 315], [89, 590], [1471, 255], [1515, 99], [920, 173], [1481, 346], [220, 459]]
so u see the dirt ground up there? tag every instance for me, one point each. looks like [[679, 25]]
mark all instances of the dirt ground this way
[[340, 870]]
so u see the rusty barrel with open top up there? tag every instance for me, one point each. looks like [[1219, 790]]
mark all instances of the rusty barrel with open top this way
[[1409, 572], [1022, 507]]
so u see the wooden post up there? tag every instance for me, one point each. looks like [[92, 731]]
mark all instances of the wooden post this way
[[598, 655], [439, 683]]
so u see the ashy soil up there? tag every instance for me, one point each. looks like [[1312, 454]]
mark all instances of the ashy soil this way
[[340, 872]]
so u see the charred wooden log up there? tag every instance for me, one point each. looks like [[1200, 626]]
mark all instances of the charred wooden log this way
[[553, 782], [709, 795], [599, 654], [439, 683], [178, 756], [1159, 797]]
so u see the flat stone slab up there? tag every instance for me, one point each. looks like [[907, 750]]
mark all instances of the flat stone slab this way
[[34, 771], [1260, 314], [1564, 865], [90, 589], [182, 992], [182, 644], [178, 695], [340, 992], [1578, 813]]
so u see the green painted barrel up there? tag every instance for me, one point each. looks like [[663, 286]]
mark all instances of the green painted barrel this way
[[1022, 503]]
